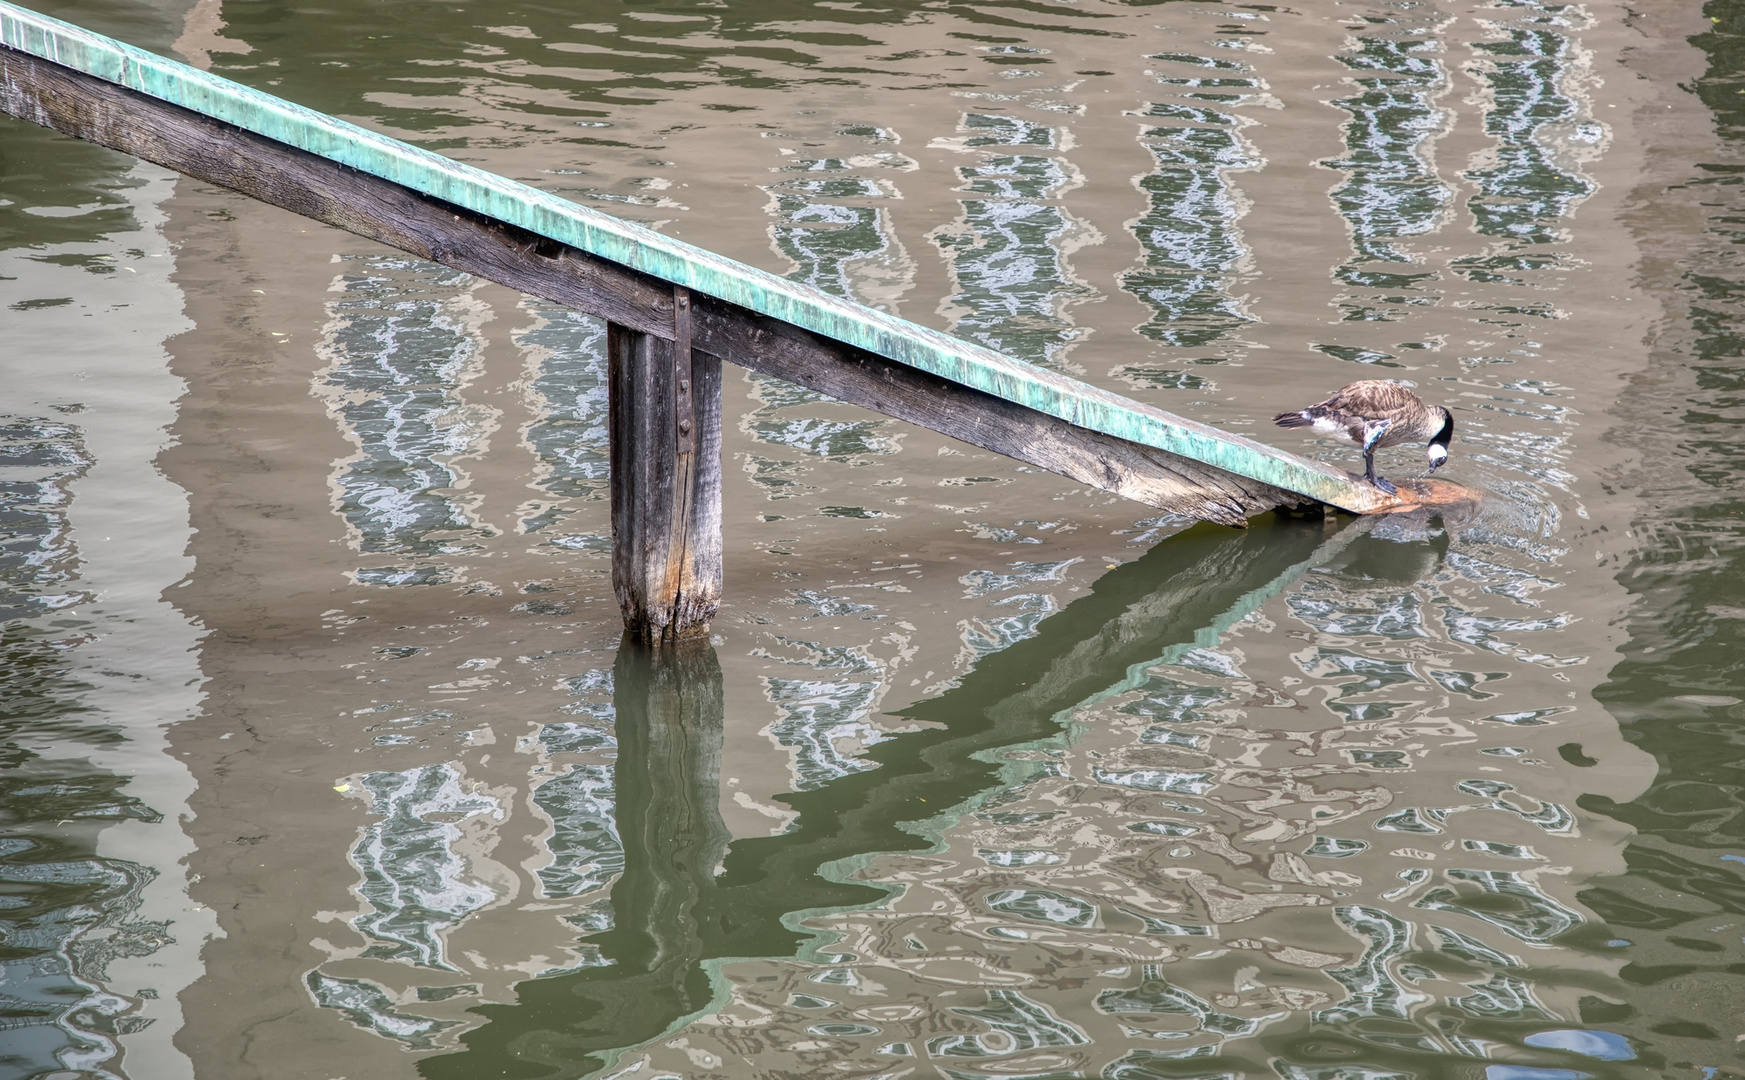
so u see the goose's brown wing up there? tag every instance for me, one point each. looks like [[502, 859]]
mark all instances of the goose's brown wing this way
[[1373, 398]]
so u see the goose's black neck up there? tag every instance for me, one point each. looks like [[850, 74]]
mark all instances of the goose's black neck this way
[[1445, 434]]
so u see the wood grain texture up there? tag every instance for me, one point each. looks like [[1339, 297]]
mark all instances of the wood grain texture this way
[[209, 150], [1142, 473], [665, 423]]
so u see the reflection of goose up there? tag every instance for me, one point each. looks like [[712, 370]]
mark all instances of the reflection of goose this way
[[1375, 413]]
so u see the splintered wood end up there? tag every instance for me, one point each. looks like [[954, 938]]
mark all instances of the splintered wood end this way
[[1429, 493]]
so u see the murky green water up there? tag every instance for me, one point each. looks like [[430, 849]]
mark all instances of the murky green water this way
[[321, 755]]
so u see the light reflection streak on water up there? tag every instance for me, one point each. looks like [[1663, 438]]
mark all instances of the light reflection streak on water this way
[[401, 342], [37, 555], [413, 879], [1542, 132], [417, 887], [52, 988], [824, 722], [1371, 986], [1392, 190], [826, 238], [829, 219], [1193, 246], [372, 1008], [1015, 1024], [585, 849], [1008, 251], [993, 632], [565, 354], [419, 867]]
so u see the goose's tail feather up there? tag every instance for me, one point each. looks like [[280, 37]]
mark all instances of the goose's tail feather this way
[[1294, 419]]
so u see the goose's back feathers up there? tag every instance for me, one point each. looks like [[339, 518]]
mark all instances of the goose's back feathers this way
[[1374, 398], [1389, 412]]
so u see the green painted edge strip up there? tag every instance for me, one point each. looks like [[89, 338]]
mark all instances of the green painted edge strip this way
[[673, 260]]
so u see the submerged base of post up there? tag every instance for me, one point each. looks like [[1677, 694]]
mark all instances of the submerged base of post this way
[[665, 420]]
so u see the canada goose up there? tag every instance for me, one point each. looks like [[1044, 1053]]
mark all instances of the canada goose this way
[[1375, 413]]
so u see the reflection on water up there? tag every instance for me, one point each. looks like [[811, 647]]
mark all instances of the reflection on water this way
[[412, 875], [584, 845], [1193, 248], [983, 776], [1216, 848], [1014, 615], [566, 358], [68, 916], [1008, 252], [1393, 190], [833, 221], [1542, 133], [825, 720], [403, 341], [97, 935], [40, 458]]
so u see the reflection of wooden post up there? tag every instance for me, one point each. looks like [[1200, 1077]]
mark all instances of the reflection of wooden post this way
[[667, 791], [668, 784], [666, 479]]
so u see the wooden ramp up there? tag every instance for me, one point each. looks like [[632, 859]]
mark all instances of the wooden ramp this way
[[674, 311]]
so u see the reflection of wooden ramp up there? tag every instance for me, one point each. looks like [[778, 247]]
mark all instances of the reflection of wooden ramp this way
[[681, 906], [675, 312]]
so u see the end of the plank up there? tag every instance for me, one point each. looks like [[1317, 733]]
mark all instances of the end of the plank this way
[[1426, 494]]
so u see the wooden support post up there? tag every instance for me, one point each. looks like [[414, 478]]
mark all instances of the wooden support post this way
[[666, 479]]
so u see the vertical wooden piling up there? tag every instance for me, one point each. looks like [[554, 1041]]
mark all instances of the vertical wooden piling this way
[[665, 420]]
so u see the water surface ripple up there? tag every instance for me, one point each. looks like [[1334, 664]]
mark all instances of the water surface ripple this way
[[321, 755]]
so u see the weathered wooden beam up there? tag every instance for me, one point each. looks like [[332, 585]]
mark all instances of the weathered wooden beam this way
[[1142, 473], [101, 112], [315, 187], [665, 420], [556, 221]]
